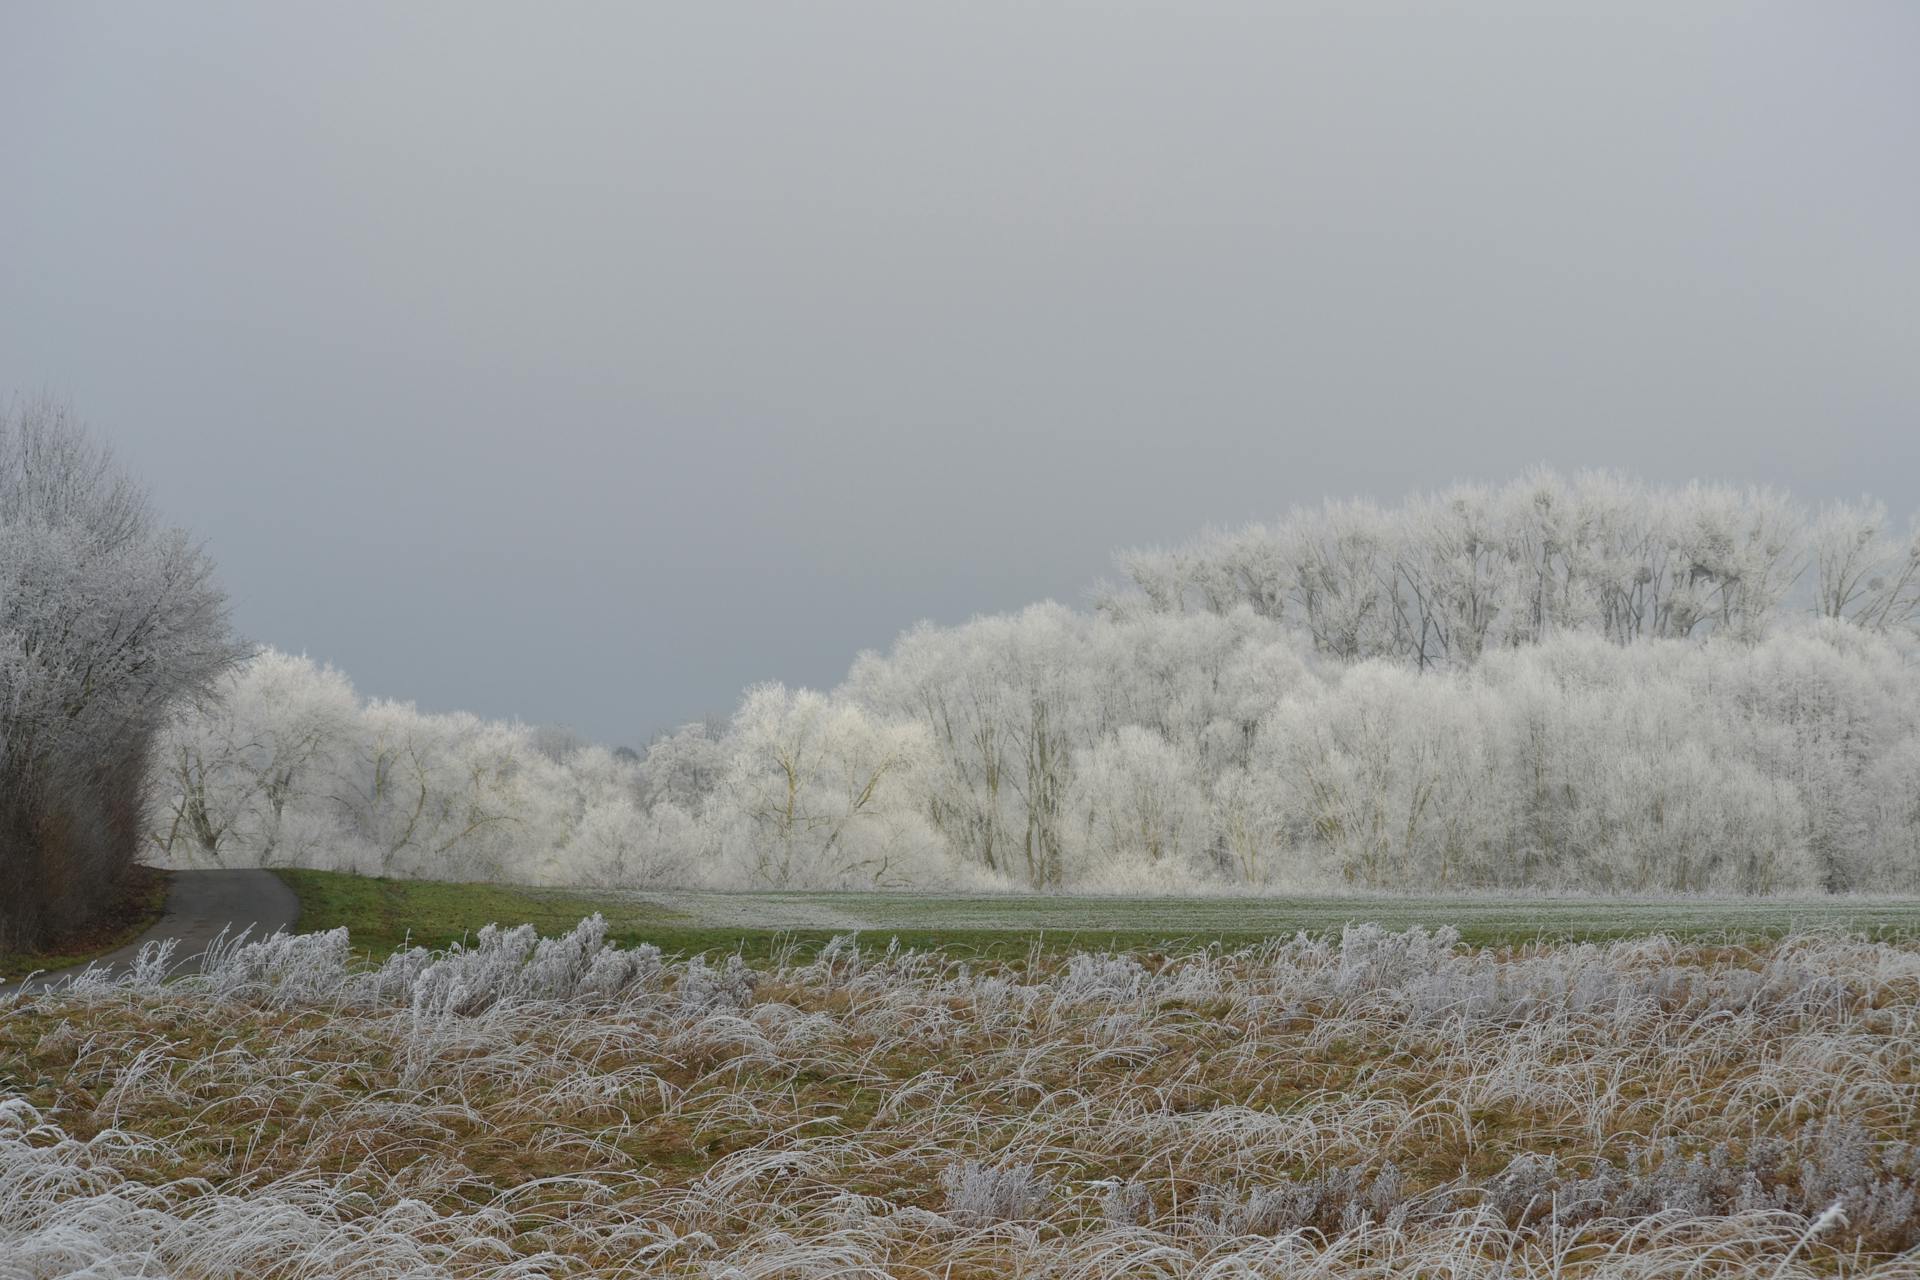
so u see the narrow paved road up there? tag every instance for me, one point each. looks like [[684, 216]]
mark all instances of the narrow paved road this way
[[199, 905]]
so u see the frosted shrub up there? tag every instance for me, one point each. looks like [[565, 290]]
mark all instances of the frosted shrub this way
[[1528, 1189], [1091, 977], [152, 963], [1125, 1203], [393, 983], [1663, 1180], [838, 962], [1461, 990], [513, 964], [1386, 1195], [1876, 1184], [615, 970], [283, 968], [1372, 959], [1838, 1160], [1274, 1209], [578, 963], [1336, 1201], [467, 980], [980, 1195], [1837, 1166], [702, 988]]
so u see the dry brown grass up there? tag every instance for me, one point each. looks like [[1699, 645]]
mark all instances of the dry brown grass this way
[[1387, 1104]]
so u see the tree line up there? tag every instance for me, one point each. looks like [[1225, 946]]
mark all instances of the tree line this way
[[1582, 683]]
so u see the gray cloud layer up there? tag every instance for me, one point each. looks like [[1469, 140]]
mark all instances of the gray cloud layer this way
[[587, 363]]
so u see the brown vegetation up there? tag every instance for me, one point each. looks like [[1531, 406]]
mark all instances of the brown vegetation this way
[[1383, 1103]]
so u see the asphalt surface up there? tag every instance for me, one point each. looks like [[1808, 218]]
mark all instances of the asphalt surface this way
[[200, 904]]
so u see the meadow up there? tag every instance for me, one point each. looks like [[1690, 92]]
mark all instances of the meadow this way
[[386, 914], [1363, 1103]]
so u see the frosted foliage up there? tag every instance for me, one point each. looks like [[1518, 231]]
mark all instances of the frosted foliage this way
[[252, 774], [1136, 803], [1449, 576], [616, 843], [1365, 1105], [1558, 684], [684, 767], [817, 792], [290, 767], [107, 618]]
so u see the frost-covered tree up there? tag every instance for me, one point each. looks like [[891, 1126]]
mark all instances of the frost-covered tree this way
[[1357, 766], [1005, 702], [446, 795], [684, 767], [108, 618], [1864, 573], [818, 794], [250, 774], [1138, 810], [619, 845]]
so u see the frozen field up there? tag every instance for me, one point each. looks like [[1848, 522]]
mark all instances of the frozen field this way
[[1241, 915], [1366, 1105], [385, 914]]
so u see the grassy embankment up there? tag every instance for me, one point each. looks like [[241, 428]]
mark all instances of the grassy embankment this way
[[384, 915]]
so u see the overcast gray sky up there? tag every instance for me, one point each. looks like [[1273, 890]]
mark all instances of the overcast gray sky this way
[[587, 363]]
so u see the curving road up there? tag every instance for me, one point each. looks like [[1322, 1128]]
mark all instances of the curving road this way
[[199, 905]]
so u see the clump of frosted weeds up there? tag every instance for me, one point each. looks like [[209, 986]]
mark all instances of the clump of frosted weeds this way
[[288, 970], [1836, 1163], [1091, 977], [1125, 1203], [838, 963], [1274, 1209], [1386, 1196], [151, 965], [580, 964], [467, 980], [1876, 1184], [1533, 1186], [979, 1195], [704, 989], [1334, 1201], [516, 965], [1372, 959], [282, 969]]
